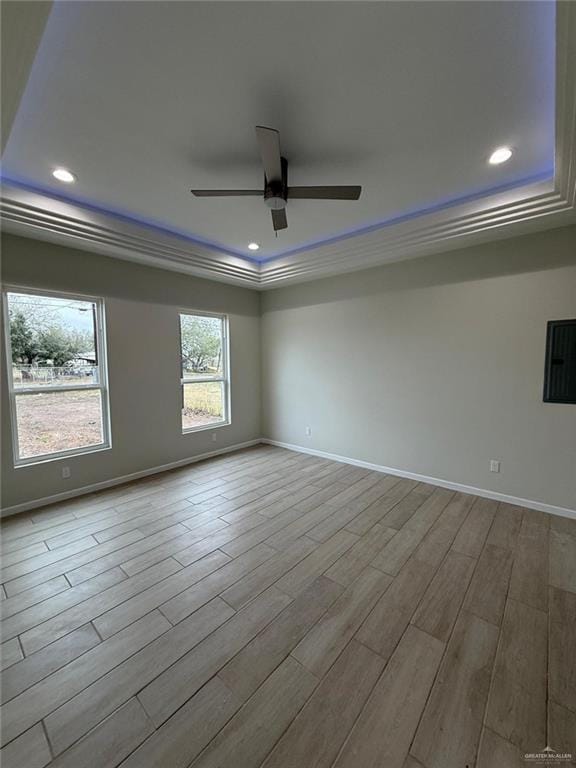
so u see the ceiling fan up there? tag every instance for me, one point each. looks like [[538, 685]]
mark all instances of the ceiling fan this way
[[276, 191]]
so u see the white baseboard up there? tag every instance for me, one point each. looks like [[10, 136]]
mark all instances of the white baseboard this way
[[44, 501], [538, 505]]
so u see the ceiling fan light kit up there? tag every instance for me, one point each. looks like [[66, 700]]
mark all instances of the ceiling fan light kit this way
[[276, 190]]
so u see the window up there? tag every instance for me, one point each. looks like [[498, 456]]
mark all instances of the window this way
[[204, 382], [56, 375]]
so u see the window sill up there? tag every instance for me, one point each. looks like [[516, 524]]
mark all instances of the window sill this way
[[34, 461]]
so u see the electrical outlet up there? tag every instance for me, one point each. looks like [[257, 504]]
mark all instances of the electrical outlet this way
[[66, 472], [308, 431], [494, 465], [213, 437]]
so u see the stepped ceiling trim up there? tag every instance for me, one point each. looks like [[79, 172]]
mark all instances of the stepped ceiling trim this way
[[535, 205]]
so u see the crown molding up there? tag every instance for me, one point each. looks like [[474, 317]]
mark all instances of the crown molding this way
[[541, 208], [35, 214], [528, 208]]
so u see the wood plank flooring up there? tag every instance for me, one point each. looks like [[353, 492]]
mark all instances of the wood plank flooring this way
[[267, 608]]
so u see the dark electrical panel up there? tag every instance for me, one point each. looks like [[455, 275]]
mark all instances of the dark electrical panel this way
[[560, 370]]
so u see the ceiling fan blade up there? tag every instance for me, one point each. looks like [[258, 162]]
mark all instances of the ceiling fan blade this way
[[269, 143], [324, 193], [279, 220], [227, 192]]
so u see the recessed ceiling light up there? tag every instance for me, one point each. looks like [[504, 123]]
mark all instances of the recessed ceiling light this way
[[500, 155], [253, 246], [63, 175]]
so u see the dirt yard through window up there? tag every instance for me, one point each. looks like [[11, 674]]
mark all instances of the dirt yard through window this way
[[58, 421]]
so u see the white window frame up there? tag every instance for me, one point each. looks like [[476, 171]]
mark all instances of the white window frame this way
[[101, 386], [224, 379]]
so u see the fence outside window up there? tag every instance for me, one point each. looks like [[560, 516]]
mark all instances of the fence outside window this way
[[53, 375]]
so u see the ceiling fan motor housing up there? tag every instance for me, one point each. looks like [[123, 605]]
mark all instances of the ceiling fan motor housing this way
[[276, 192]]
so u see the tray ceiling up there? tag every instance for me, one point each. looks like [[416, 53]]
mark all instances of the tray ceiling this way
[[144, 100]]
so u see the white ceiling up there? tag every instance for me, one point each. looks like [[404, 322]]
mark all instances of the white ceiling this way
[[145, 100]]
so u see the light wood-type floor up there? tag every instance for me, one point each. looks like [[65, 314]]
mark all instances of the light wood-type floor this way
[[267, 608]]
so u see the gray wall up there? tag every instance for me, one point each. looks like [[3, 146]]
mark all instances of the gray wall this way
[[142, 306], [433, 366]]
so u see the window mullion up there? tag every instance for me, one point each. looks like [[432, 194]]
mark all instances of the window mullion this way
[[63, 388], [202, 381]]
